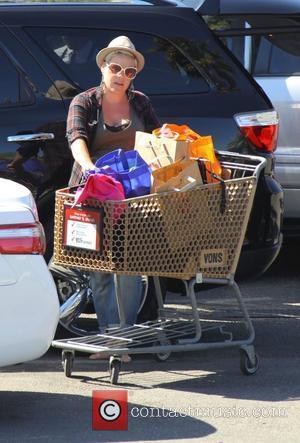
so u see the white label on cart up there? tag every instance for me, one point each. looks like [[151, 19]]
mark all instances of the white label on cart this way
[[81, 235], [212, 258], [83, 228]]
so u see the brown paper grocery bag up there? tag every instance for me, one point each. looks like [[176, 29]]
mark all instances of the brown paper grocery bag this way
[[179, 176], [159, 151]]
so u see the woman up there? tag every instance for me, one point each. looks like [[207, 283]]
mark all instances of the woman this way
[[100, 120]]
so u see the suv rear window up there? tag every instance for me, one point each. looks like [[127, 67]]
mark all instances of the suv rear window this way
[[276, 54], [263, 47], [167, 70]]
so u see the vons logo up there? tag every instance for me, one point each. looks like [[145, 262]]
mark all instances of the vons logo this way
[[213, 258]]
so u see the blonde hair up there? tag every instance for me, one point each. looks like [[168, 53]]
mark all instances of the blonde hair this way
[[119, 52]]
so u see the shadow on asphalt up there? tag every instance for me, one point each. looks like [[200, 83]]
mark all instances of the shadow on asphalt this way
[[287, 263], [215, 372], [71, 420]]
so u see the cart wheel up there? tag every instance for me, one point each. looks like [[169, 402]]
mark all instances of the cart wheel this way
[[246, 366], [114, 369], [162, 356], [67, 362]]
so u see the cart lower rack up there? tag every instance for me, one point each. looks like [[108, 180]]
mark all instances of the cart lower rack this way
[[195, 236]]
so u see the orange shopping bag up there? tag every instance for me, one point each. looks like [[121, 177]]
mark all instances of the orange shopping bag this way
[[198, 147]]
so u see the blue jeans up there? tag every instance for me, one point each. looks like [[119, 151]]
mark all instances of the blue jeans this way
[[105, 301]]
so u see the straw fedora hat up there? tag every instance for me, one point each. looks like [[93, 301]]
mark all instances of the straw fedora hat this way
[[121, 43]]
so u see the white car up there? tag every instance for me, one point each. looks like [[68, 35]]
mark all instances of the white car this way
[[29, 303]]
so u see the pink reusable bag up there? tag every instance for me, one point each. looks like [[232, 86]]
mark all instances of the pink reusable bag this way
[[100, 187]]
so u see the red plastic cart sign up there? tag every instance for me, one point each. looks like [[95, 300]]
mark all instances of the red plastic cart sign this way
[[83, 228]]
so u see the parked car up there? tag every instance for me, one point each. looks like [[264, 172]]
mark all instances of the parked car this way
[[189, 75], [265, 37], [29, 303]]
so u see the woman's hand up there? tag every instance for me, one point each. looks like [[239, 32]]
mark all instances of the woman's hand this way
[[88, 172]]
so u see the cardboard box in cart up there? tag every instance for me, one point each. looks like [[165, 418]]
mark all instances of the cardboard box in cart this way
[[158, 152]]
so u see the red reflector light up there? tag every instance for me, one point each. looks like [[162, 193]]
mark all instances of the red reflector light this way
[[260, 128], [22, 239]]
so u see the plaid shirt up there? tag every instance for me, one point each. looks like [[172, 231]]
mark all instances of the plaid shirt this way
[[83, 118]]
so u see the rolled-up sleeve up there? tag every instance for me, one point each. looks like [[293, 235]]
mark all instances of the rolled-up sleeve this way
[[77, 121]]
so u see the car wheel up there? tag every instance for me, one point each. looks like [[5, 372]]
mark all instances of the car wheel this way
[[77, 314]]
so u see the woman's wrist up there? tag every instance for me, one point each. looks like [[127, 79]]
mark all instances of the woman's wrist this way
[[87, 167]]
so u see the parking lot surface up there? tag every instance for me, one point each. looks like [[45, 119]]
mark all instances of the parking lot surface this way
[[199, 396]]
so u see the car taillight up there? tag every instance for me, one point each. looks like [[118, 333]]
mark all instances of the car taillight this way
[[26, 238], [260, 128]]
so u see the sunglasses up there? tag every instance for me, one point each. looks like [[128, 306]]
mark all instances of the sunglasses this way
[[115, 68]]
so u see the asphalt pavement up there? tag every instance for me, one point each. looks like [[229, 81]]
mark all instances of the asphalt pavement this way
[[192, 396]]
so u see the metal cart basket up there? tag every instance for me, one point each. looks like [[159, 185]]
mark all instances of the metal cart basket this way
[[193, 235]]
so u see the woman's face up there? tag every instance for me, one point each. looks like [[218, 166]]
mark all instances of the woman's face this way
[[118, 82]]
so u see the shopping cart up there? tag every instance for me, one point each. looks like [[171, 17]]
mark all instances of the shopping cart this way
[[195, 236]]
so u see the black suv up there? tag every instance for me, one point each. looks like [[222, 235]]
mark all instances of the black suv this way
[[47, 55]]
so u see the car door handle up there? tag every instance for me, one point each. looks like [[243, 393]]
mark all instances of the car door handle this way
[[31, 137]]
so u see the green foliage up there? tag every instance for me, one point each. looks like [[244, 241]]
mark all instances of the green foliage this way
[[217, 23]]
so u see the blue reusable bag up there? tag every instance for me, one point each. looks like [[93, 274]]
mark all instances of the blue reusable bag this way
[[129, 168]]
